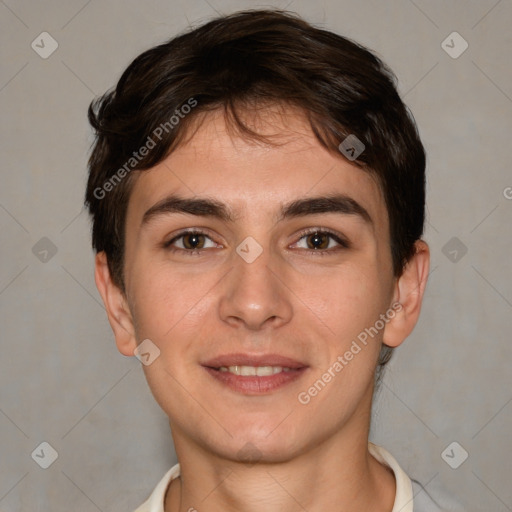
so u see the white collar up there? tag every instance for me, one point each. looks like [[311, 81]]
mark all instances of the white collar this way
[[403, 497]]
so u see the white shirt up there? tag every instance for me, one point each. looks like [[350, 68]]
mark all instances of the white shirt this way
[[403, 497]]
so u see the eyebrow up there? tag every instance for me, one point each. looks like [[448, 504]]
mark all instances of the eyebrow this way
[[337, 203], [207, 207], [202, 207]]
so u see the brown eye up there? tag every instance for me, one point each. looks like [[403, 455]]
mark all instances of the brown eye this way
[[318, 241], [322, 241], [193, 241], [190, 242]]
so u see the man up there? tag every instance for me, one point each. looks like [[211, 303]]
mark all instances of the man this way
[[257, 195]]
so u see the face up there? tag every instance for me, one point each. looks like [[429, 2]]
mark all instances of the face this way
[[271, 260]]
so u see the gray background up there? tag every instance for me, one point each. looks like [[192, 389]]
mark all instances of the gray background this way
[[61, 378]]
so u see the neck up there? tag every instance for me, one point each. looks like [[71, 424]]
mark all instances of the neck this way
[[338, 474]]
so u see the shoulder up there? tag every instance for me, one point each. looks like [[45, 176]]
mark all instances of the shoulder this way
[[411, 495], [155, 502], [423, 502]]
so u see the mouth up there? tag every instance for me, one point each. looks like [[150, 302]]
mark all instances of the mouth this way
[[256, 374]]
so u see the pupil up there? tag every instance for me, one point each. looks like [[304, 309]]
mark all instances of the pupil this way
[[192, 241], [317, 241]]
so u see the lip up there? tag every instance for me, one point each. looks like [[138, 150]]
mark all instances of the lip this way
[[254, 385], [253, 360]]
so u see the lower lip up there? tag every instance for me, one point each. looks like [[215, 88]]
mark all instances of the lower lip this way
[[254, 385]]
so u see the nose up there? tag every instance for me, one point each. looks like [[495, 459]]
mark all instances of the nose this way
[[254, 295]]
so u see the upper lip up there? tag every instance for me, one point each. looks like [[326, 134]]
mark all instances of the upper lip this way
[[253, 360]]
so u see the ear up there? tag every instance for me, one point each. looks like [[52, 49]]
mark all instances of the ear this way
[[118, 312], [408, 296]]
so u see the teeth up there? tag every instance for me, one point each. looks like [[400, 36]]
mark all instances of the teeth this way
[[251, 371]]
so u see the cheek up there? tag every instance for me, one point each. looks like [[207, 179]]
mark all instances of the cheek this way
[[168, 303], [153, 301], [348, 300]]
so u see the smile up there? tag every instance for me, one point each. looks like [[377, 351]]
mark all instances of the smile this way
[[250, 371], [255, 380]]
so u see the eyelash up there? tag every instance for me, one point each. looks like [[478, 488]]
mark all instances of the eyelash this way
[[343, 243]]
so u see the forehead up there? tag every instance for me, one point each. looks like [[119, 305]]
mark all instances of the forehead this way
[[252, 176]]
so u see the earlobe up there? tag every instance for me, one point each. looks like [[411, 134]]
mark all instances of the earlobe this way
[[409, 291], [118, 312]]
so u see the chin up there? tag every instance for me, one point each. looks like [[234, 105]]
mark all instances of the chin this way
[[270, 444], [256, 452]]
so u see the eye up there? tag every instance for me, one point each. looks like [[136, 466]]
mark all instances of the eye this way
[[320, 240], [190, 241]]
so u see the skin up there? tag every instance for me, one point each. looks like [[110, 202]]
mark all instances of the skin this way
[[305, 304]]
